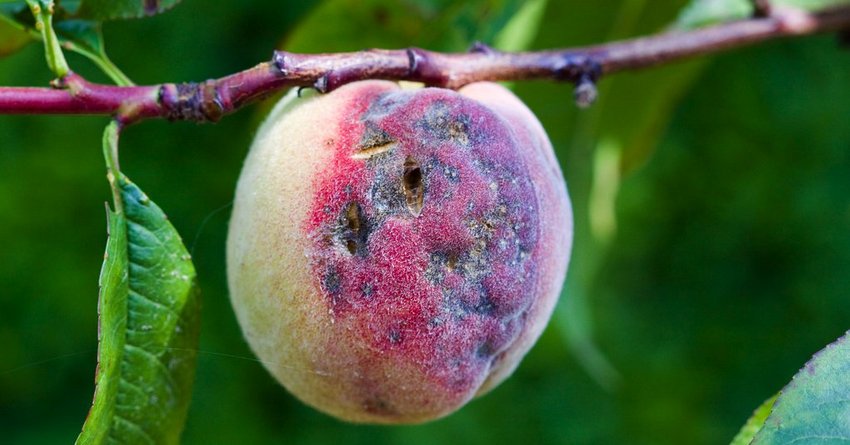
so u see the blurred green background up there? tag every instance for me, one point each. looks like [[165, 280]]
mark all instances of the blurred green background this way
[[712, 251]]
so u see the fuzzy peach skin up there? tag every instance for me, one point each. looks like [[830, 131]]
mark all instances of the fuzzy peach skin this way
[[395, 252]]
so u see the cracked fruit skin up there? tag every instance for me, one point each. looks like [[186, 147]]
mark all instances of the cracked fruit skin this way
[[395, 252]]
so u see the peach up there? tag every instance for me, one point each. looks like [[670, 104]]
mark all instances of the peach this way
[[395, 252]]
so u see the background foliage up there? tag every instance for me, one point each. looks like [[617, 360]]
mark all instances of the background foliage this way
[[712, 202]]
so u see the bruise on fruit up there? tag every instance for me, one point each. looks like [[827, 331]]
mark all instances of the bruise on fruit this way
[[435, 223]]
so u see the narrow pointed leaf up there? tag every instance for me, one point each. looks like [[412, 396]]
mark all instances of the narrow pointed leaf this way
[[14, 8], [112, 325], [706, 12], [814, 409], [12, 37], [754, 423], [149, 324], [519, 32]]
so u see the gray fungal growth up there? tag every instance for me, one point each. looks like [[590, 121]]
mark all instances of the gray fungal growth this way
[[439, 264], [440, 122], [459, 130], [331, 281]]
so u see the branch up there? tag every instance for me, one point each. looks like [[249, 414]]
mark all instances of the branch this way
[[210, 100]]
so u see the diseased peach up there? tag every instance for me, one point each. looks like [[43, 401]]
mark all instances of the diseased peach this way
[[395, 252]]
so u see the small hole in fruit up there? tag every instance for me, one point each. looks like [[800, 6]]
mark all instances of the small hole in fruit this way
[[352, 216], [354, 227], [414, 191]]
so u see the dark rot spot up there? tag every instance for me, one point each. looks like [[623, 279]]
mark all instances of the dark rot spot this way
[[394, 336], [459, 130], [439, 287], [352, 216], [331, 282], [443, 122], [451, 173], [439, 264], [451, 261], [485, 305], [353, 229], [414, 190]]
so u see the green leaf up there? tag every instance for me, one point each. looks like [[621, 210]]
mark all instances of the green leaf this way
[[814, 5], [11, 7], [83, 33], [121, 9], [12, 37], [815, 407], [440, 25], [112, 311], [519, 32], [100, 10], [706, 12], [754, 423], [149, 323], [81, 36], [85, 38]]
